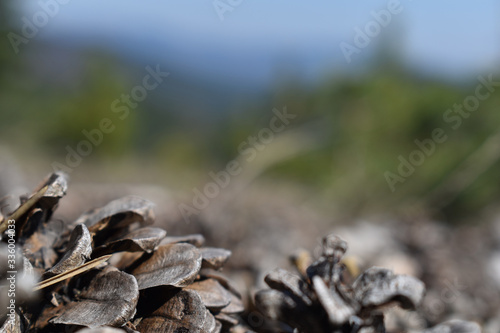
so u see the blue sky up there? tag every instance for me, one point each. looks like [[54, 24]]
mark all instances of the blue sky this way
[[451, 38]]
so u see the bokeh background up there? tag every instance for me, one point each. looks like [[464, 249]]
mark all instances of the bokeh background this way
[[230, 64], [229, 67]]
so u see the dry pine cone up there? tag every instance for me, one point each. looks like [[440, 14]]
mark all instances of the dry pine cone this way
[[110, 268], [322, 301]]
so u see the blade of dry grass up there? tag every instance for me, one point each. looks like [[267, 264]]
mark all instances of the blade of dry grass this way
[[75, 271], [23, 209]]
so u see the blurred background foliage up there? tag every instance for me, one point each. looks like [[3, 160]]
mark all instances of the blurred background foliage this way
[[357, 125]]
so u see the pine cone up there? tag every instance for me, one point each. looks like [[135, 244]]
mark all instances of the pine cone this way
[[322, 300], [110, 268]]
